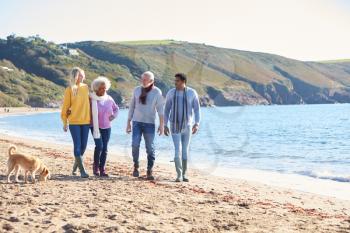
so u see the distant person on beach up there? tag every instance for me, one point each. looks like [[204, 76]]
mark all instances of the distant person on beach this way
[[75, 115], [181, 104], [104, 110], [146, 101]]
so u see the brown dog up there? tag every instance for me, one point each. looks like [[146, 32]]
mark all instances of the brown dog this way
[[28, 163]]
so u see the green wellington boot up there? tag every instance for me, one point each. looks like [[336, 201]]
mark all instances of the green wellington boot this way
[[75, 167], [178, 167], [80, 164], [184, 169]]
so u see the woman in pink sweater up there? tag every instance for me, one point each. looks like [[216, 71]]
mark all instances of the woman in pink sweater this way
[[104, 110]]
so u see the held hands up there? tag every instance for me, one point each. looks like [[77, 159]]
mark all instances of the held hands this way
[[195, 128]]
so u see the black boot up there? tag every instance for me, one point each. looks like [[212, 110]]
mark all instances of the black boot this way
[[149, 175], [136, 173]]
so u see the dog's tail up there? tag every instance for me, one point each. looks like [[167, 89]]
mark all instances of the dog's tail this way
[[12, 149]]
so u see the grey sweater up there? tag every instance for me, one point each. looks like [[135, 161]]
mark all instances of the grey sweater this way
[[146, 113], [193, 107]]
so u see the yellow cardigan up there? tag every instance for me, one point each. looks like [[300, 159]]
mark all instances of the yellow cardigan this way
[[78, 105]]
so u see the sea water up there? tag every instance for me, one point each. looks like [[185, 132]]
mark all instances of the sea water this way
[[306, 147]]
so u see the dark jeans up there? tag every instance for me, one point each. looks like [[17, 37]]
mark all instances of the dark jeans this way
[[148, 131], [80, 134], [101, 148]]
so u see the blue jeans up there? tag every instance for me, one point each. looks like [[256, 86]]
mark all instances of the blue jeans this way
[[80, 134], [148, 131], [101, 147], [182, 139]]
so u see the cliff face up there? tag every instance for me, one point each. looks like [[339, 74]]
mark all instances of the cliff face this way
[[224, 77]]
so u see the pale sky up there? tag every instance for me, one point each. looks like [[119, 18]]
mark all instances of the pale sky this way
[[300, 29]]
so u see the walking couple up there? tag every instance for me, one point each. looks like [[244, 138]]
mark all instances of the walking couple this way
[[181, 104]]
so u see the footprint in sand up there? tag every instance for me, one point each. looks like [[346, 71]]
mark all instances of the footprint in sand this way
[[35, 211], [7, 227], [112, 217], [14, 219], [91, 215]]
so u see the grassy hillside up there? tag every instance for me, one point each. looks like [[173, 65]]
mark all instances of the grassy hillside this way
[[228, 76], [52, 62], [221, 76], [18, 88]]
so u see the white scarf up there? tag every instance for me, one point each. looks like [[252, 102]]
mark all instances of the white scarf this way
[[94, 109]]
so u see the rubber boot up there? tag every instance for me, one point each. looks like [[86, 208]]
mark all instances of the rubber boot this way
[[103, 172], [136, 172], [178, 167], [75, 167], [184, 169], [95, 169], [149, 175], [80, 163]]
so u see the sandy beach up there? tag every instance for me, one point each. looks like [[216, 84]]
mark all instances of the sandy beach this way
[[121, 203]]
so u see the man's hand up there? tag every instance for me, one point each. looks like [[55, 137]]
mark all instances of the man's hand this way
[[68, 112], [195, 128], [160, 130], [65, 128], [166, 131], [128, 127]]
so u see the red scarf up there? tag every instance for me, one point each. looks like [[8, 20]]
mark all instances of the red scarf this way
[[144, 92]]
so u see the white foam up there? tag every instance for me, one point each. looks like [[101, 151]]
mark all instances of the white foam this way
[[303, 183], [328, 175], [325, 187]]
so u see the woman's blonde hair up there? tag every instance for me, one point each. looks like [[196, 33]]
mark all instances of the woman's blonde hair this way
[[73, 79]]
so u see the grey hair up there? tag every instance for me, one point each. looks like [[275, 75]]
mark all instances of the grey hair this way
[[98, 81], [149, 74]]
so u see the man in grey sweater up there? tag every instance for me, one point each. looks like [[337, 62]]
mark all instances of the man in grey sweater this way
[[146, 101], [181, 104]]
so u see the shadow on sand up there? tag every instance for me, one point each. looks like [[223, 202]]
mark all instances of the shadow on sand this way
[[77, 178]]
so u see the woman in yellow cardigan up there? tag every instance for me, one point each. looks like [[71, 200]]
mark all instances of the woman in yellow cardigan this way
[[75, 115]]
